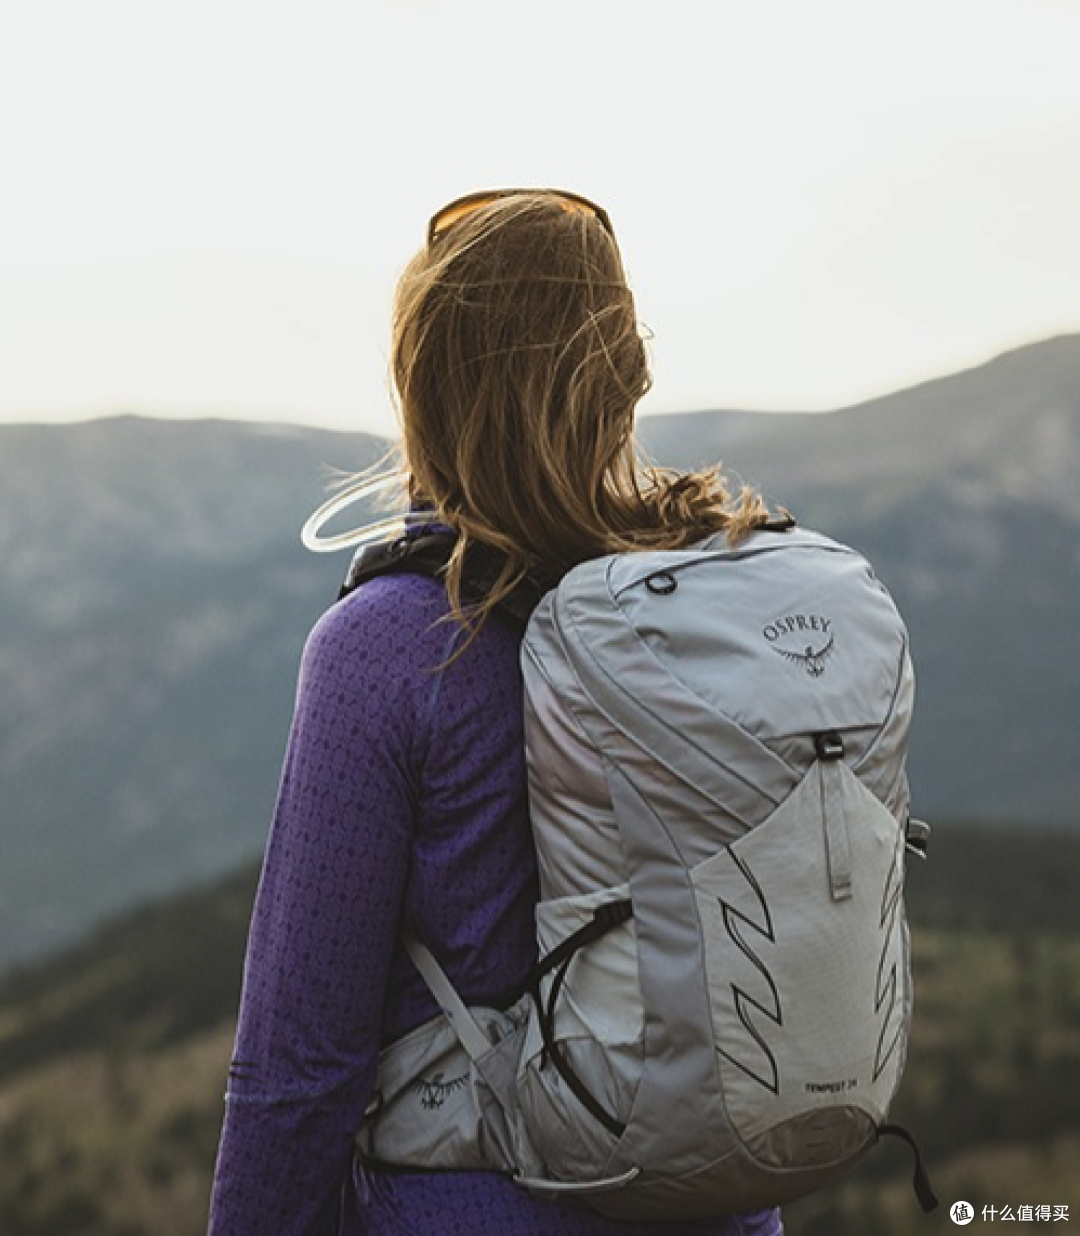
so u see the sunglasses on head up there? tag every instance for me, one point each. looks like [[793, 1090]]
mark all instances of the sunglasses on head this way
[[453, 212]]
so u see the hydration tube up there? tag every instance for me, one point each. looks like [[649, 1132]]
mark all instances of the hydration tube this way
[[378, 530]]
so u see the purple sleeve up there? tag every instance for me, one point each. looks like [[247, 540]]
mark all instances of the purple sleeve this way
[[326, 915]]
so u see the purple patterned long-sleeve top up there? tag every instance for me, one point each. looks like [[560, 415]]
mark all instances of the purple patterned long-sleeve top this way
[[402, 797]]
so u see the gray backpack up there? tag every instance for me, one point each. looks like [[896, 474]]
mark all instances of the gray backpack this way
[[715, 741]]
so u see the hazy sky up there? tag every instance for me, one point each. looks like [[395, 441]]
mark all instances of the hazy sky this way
[[204, 203]]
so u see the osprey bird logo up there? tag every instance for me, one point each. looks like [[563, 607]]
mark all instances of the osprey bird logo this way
[[803, 639], [811, 659], [433, 1090]]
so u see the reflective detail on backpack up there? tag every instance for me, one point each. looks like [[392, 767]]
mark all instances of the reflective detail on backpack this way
[[776, 941]]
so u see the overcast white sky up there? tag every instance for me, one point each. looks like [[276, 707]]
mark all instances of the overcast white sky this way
[[205, 203]]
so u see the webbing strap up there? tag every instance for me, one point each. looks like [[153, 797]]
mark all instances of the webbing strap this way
[[834, 814], [428, 552], [465, 1026]]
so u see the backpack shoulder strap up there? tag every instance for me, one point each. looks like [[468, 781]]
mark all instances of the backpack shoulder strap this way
[[426, 554], [429, 554]]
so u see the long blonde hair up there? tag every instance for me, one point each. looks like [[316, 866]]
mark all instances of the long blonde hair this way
[[518, 363]]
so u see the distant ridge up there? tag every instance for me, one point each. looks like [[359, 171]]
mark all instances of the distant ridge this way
[[154, 599], [1009, 425]]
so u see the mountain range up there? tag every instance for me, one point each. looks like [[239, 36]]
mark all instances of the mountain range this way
[[154, 599]]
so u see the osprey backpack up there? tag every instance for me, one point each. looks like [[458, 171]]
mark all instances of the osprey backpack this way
[[715, 745]]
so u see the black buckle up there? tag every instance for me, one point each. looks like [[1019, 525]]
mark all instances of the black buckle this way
[[917, 837], [829, 745]]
